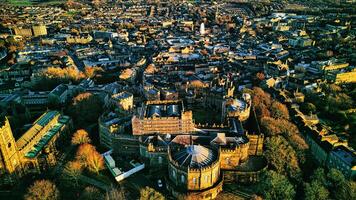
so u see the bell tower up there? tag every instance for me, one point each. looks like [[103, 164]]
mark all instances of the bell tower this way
[[10, 164]]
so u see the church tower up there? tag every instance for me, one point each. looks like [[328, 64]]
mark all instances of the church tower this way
[[10, 165]]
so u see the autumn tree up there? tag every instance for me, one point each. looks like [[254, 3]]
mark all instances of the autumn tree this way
[[260, 76], [148, 193], [42, 190], [90, 72], [261, 101], [275, 186], [90, 158], [81, 136], [279, 110], [50, 77]]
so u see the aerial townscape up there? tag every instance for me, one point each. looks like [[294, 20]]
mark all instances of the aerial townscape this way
[[178, 99]]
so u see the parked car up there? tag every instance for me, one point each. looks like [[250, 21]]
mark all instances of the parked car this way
[[159, 183]]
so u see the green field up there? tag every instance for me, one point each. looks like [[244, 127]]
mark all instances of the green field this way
[[30, 3], [20, 2]]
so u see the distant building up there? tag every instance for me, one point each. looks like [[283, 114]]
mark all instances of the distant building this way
[[36, 30], [39, 30], [24, 32], [80, 39]]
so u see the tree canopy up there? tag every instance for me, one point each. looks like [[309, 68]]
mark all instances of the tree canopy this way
[[274, 186], [81, 136], [148, 193], [42, 190]]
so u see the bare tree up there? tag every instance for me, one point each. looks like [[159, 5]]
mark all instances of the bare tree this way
[[42, 190]]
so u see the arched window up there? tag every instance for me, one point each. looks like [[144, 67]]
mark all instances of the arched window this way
[[174, 174], [159, 160], [194, 181], [227, 160], [206, 178], [182, 178]]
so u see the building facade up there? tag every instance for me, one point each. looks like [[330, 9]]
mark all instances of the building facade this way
[[165, 117]]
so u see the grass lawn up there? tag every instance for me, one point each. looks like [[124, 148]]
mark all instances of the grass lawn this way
[[202, 116], [21, 2], [30, 3]]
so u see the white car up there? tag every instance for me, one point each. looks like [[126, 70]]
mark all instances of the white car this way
[[159, 183]]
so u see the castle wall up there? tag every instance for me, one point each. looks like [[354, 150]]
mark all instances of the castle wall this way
[[256, 144], [231, 158]]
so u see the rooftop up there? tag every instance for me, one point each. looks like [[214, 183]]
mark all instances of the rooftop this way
[[195, 156], [47, 137]]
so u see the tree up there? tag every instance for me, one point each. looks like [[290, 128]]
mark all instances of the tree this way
[[274, 186], [339, 186], [319, 175], [90, 158], [282, 157], [95, 162], [90, 72], [261, 101], [260, 76], [86, 108], [91, 193], [148, 193], [308, 108], [335, 178], [279, 110], [72, 172], [315, 191], [116, 193], [80, 137], [42, 190]]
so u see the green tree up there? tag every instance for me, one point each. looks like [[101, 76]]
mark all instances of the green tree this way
[[282, 157], [42, 190], [319, 175], [308, 108], [315, 191], [274, 186]]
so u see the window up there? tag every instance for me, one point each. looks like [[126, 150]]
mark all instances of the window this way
[[182, 179], [174, 174], [227, 160], [194, 181], [159, 160], [206, 178]]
